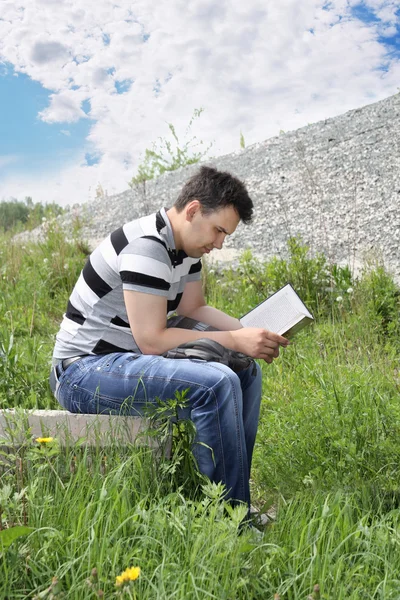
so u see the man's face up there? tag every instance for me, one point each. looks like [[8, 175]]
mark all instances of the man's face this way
[[206, 232]]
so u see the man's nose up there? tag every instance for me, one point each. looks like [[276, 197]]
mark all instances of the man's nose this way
[[219, 242]]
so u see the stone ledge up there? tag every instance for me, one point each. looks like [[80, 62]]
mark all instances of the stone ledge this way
[[16, 426]]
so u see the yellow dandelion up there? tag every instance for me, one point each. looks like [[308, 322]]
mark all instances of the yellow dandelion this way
[[44, 440], [130, 574]]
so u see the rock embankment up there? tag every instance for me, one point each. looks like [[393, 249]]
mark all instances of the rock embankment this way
[[335, 183]]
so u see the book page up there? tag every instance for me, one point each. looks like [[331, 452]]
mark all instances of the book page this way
[[279, 314]]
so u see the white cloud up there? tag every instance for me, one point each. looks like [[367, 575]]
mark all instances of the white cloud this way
[[255, 67], [64, 107], [70, 186], [48, 51]]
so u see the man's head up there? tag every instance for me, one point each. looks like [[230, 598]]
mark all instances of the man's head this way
[[215, 190], [209, 207]]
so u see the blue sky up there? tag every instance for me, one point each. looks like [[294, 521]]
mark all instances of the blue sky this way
[[368, 16], [85, 89], [36, 145]]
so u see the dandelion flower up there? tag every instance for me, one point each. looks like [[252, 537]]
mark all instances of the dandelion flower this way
[[350, 290], [130, 574], [44, 440], [339, 299]]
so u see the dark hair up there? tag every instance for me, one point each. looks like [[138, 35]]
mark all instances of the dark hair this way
[[215, 190]]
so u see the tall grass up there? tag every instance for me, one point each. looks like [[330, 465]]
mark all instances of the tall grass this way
[[35, 282], [326, 454]]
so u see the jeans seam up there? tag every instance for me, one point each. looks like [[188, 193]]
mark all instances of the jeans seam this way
[[221, 450], [240, 449], [239, 443]]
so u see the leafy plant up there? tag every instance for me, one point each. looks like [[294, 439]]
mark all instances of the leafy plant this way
[[8, 536], [170, 155], [170, 428]]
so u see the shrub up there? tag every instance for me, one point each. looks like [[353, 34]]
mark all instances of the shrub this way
[[379, 300], [317, 283]]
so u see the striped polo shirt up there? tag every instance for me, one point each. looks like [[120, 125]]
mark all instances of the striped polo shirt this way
[[139, 256]]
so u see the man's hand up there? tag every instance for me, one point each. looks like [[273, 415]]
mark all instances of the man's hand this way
[[259, 343]]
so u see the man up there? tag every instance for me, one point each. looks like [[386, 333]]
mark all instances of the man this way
[[108, 353]]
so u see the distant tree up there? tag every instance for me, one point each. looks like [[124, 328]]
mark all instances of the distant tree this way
[[12, 213], [26, 214], [242, 142]]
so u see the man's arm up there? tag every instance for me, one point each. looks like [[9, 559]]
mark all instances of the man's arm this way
[[147, 318], [193, 305]]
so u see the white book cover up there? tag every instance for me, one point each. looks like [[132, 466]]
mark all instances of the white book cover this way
[[283, 313]]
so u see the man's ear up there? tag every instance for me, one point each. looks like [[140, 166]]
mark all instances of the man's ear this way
[[191, 209]]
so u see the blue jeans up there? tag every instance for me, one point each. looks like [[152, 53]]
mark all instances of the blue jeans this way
[[224, 406]]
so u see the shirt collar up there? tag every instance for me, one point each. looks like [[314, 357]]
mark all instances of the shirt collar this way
[[164, 228]]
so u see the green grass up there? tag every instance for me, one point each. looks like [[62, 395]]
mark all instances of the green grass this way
[[326, 455], [331, 414]]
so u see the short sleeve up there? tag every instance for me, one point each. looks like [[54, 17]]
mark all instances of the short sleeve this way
[[144, 266]]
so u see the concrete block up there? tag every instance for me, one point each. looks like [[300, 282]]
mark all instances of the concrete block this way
[[16, 426]]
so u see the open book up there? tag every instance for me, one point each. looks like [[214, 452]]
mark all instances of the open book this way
[[282, 313]]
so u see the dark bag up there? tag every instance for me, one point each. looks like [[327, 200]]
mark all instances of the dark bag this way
[[205, 349]]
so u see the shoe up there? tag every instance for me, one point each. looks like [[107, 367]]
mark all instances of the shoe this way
[[262, 519]]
